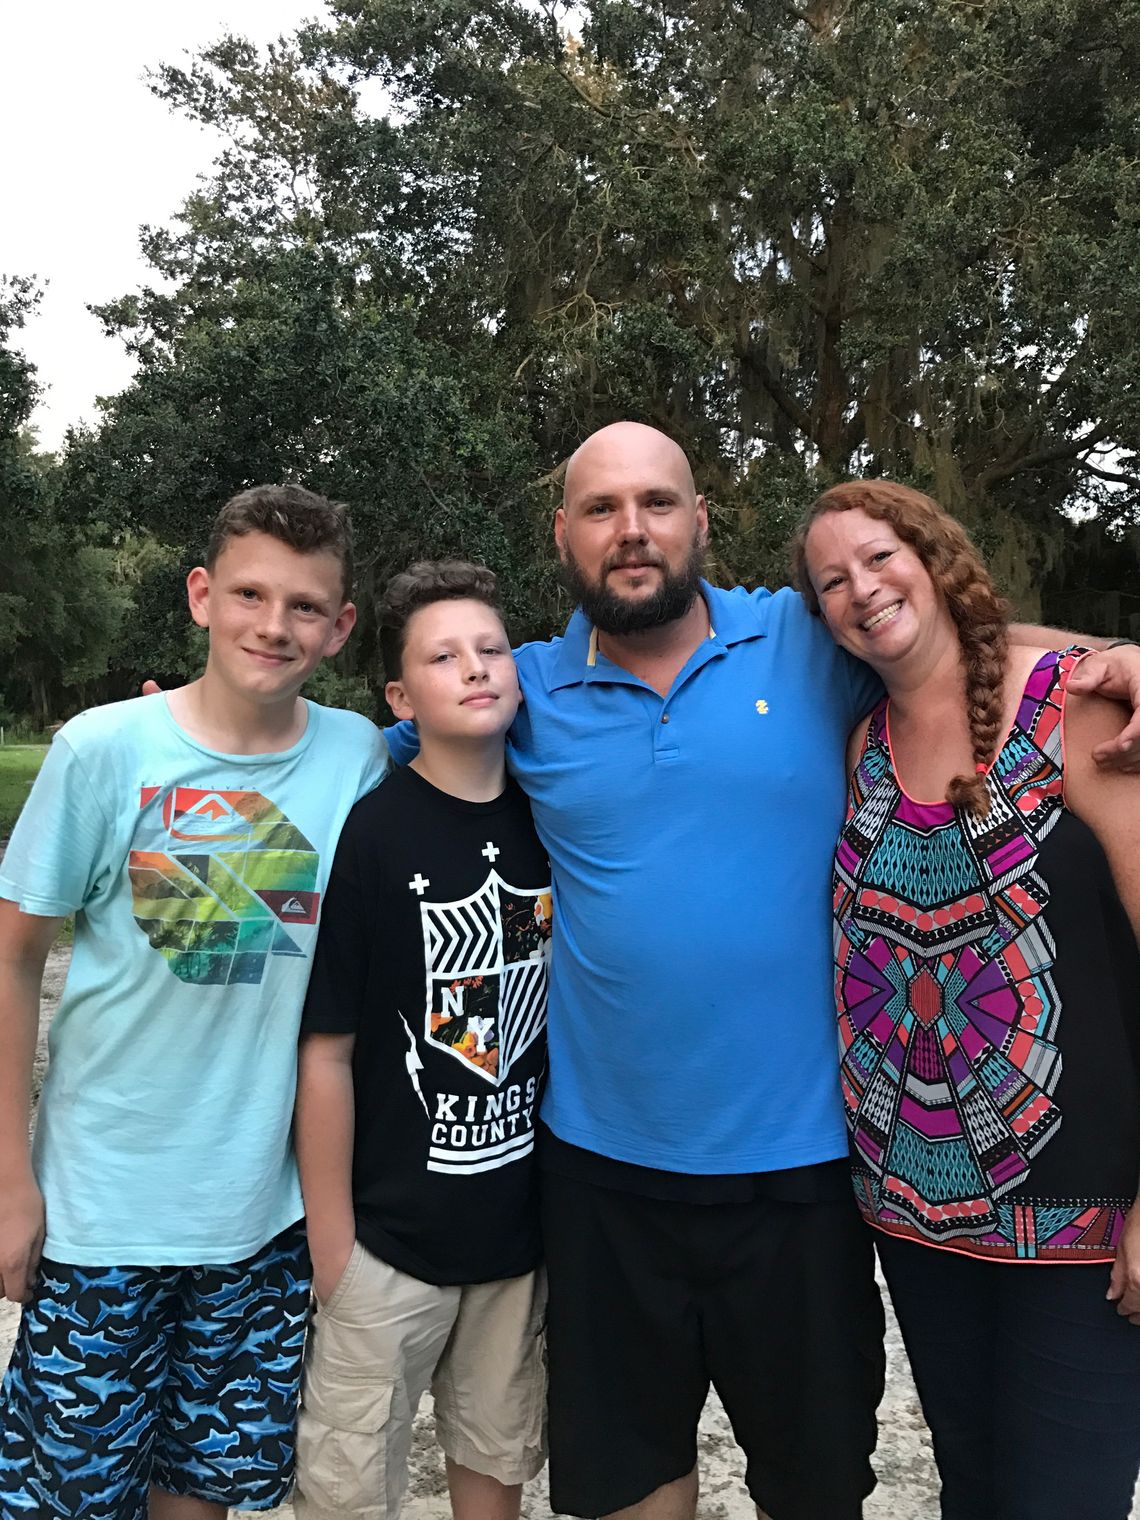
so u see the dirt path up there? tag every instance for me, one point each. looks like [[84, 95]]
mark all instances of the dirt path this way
[[907, 1487]]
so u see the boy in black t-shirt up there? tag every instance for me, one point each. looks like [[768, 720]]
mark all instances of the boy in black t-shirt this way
[[422, 1059]]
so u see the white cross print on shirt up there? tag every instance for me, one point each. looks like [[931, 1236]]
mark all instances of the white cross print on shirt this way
[[491, 851], [418, 883]]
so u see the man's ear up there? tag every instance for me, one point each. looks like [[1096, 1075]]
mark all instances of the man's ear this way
[[397, 699], [341, 628], [560, 531], [198, 595], [703, 519]]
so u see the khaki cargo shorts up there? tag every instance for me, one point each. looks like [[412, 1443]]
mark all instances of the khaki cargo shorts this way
[[379, 1343]]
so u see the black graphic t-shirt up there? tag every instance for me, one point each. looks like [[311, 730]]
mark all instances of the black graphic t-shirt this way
[[433, 950]]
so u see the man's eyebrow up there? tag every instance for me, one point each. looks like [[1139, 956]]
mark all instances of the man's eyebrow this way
[[647, 492]]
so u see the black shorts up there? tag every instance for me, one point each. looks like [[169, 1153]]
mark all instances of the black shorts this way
[[772, 1302]]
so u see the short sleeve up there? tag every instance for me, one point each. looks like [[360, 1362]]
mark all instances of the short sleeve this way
[[338, 984], [59, 858], [403, 741]]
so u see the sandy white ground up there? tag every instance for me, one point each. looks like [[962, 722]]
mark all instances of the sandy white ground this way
[[907, 1483]]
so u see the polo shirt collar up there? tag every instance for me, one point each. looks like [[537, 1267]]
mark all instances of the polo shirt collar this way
[[733, 616]]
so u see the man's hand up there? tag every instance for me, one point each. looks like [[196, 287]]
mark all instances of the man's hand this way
[[21, 1238], [330, 1260], [1114, 673], [1124, 1284]]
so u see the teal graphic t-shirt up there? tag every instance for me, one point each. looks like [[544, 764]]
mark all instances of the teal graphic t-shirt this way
[[163, 1135]]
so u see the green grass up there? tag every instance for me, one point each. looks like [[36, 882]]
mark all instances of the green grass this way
[[19, 766]]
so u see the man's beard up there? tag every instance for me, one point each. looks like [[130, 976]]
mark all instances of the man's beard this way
[[615, 614]]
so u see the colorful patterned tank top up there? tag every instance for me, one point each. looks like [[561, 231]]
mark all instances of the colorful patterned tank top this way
[[988, 988]]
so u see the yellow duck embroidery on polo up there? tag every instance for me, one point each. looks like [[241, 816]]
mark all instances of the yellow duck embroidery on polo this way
[[761, 707]]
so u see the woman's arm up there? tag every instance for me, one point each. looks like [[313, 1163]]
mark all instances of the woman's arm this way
[[1109, 803]]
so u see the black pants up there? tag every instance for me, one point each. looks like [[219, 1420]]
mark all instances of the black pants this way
[[1029, 1380], [773, 1303]]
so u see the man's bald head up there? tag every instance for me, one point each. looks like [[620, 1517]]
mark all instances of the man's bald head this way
[[625, 448], [631, 529]]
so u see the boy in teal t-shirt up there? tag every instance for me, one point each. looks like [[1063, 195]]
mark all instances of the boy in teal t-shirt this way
[[154, 1234]]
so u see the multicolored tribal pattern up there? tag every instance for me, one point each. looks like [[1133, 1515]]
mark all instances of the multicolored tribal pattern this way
[[215, 878], [948, 1012]]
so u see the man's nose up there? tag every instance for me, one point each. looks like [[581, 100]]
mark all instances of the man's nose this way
[[631, 523]]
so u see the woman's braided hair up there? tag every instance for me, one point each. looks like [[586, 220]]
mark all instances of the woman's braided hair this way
[[956, 568]]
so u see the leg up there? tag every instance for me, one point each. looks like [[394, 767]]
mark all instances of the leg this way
[[229, 1408], [1068, 1392], [489, 1387], [672, 1501], [164, 1506], [80, 1401], [947, 1310], [371, 1351], [627, 1367], [475, 1496], [793, 1326]]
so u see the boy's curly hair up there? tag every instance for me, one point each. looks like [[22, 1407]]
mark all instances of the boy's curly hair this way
[[302, 519], [421, 584]]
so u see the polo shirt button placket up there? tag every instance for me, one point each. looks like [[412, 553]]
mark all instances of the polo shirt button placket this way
[[665, 745]]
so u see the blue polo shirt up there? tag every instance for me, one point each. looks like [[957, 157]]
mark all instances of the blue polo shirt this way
[[691, 1016]]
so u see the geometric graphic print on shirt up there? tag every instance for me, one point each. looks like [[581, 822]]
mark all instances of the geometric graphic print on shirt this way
[[948, 1009], [215, 875], [486, 958]]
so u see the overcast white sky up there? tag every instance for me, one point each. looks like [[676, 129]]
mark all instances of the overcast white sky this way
[[89, 155]]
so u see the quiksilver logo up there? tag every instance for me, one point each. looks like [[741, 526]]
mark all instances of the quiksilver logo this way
[[293, 906]]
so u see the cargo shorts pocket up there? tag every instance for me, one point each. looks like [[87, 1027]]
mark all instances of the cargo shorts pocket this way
[[342, 1448]]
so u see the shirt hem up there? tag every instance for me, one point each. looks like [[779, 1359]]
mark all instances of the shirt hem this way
[[118, 1255], [1003, 1255], [37, 907], [829, 1148], [387, 1250]]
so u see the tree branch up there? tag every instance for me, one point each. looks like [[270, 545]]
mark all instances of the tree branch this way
[[1004, 470], [797, 415], [1113, 475]]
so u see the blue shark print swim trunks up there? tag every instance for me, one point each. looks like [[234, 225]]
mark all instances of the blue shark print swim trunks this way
[[184, 1377]]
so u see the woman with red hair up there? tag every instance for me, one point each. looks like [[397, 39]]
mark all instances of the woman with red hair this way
[[987, 907]]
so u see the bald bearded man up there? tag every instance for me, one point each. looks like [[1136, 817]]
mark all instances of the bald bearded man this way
[[683, 748]]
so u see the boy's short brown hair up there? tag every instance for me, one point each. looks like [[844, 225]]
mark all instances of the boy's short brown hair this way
[[420, 585], [305, 521]]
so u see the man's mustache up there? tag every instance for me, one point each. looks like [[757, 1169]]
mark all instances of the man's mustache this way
[[628, 559]]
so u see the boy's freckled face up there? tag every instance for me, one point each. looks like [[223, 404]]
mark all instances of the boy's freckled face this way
[[273, 614], [459, 679]]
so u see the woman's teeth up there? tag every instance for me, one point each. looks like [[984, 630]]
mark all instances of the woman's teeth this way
[[880, 617]]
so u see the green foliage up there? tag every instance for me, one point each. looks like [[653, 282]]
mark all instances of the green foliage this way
[[807, 240], [19, 767], [61, 609]]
